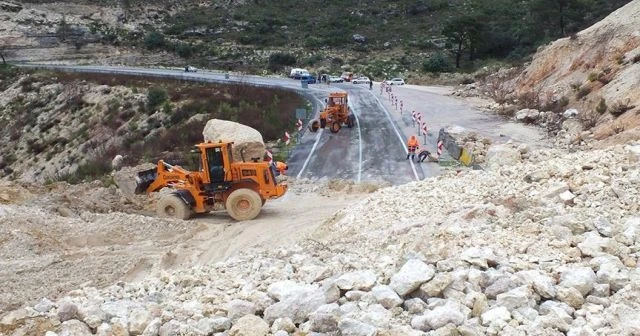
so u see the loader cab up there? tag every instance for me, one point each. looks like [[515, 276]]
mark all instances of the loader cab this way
[[337, 99], [216, 159]]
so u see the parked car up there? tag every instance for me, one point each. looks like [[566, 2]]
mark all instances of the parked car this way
[[361, 80], [394, 81], [297, 72], [309, 79], [335, 79], [347, 76], [189, 68]]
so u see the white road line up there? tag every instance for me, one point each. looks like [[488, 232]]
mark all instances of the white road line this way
[[413, 167], [359, 142], [315, 145], [313, 148]]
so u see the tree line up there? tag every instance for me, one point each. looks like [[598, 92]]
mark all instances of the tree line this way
[[514, 29]]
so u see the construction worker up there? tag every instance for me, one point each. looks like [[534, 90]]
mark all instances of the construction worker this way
[[423, 154], [281, 167], [412, 145]]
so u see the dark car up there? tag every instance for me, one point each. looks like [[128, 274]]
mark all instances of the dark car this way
[[309, 79]]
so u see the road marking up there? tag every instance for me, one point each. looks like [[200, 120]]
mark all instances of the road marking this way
[[306, 162], [313, 148], [413, 167], [359, 141]]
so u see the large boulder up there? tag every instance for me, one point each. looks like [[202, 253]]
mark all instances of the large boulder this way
[[502, 155], [247, 142]]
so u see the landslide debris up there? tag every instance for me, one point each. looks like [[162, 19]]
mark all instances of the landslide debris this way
[[540, 244]]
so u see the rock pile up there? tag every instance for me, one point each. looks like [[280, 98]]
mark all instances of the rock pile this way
[[545, 246], [462, 138]]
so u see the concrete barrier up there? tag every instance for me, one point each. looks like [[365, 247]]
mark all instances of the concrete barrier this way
[[456, 151]]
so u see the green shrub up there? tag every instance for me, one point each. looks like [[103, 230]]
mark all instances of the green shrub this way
[[602, 106], [279, 60], [437, 63], [154, 40], [184, 50], [582, 92], [619, 108], [156, 96], [593, 77]]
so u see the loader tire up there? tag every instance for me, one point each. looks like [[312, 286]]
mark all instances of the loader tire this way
[[243, 204], [335, 127], [314, 126], [351, 121], [172, 206], [323, 123]]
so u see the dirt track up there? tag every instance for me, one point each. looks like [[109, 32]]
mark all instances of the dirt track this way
[[58, 238]]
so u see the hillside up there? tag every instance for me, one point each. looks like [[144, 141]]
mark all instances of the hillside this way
[[381, 38], [594, 71], [64, 126]]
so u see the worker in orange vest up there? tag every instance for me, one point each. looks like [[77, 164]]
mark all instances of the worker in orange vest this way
[[281, 167], [412, 145]]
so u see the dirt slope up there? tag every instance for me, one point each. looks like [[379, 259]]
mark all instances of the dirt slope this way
[[602, 61]]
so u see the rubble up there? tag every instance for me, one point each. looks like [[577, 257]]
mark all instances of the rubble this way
[[493, 252]]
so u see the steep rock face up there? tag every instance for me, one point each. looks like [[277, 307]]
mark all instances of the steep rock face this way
[[602, 61]]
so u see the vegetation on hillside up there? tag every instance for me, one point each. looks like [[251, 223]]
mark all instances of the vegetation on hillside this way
[[84, 120], [463, 31]]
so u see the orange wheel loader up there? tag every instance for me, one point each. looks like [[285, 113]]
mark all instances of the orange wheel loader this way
[[335, 114], [241, 188]]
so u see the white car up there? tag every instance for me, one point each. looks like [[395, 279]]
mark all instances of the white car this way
[[335, 79], [394, 81], [361, 80], [190, 69]]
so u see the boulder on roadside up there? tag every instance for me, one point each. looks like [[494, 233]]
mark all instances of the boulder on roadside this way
[[502, 155], [247, 142], [527, 115]]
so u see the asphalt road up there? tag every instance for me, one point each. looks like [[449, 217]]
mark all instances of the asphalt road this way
[[373, 151]]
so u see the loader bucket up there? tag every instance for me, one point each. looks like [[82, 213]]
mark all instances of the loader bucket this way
[[314, 125], [144, 180]]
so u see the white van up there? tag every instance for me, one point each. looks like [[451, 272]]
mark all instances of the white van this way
[[298, 72]]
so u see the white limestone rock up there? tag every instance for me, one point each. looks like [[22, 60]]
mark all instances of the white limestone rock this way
[[74, 328], [542, 283], [386, 296], [410, 276], [138, 321], [496, 316], [358, 280], [580, 278], [247, 141], [352, 327], [249, 325], [239, 308]]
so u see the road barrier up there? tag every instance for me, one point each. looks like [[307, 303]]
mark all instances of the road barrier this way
[[456, 151]]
